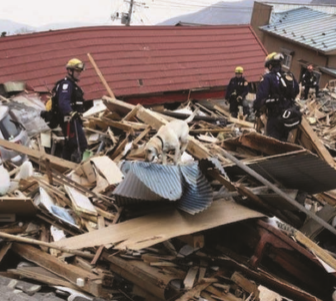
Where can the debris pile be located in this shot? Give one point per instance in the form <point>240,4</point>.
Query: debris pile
<point>240,213</point>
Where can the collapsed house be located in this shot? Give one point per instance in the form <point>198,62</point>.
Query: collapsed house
<point>242,217</point>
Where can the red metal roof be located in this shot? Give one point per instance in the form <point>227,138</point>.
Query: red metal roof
<point>135,60</point>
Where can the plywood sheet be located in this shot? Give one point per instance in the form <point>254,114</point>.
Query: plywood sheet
<point>149,230</point>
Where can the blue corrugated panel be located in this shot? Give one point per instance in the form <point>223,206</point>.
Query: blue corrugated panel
<point>197,192</point>
<point>163,180</point>
<point>132,190</point>
<point>155,182</point>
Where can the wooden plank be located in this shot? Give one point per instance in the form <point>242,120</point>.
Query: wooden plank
<point>97,255</point>
<point>141,274</point>
<point>108,169</point>
<point>66,271</point>
<point>4,249</point>
<point>38,155</point>
<point>107,87</point>
<point>193,292</point>
<point>132,113</point>
<point>245,284</point>
<point>17,205</point>
<point>101,222</point>
<point>42,275</point>
<point>190,278</point>
<point>142,135</point>
<point>149,230</point>
<point>318,146</point>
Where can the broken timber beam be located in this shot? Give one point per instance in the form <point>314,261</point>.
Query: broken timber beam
<point>92,282</point>
<point>38,155</point>
<point>320,149</point>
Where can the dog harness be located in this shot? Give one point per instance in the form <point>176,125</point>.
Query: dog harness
<point>162,143</point>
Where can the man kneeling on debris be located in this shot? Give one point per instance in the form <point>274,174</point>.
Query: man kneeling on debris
<point>67,107</point>
<point>276,92</point>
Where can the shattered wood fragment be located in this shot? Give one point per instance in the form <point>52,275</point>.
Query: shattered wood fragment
<point>191,277</point>
<point>4,249</point>
<point>193,292</point>
<point>42,275</point>
<point>92,284</point>
<point>317,145</point>
<point>147,277</point>
<point>142,135</point>
<point>97,255</point>
<point>58,162</point>
<point>246,284</point>
<point>119,149</point>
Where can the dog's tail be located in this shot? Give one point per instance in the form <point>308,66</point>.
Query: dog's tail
<point>192,116</point>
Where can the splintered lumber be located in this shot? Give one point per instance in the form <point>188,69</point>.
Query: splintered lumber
<point>42,275</point>
<point>190,278</point>
<point>193,292</point>
<point>279,192</point>
<point>108,89</point>
<point>246,284</point>
<point>45,244</point>
<point>146,231</point>
<point>260,276</point>
<point>92,283</point>
<point>17,205</point>
<point>316,144</point>
<point>38,155</point>
<point>141,274</point>
<point>309,244</point>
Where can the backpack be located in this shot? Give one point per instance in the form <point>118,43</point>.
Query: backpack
<point>291,117</point>
<point>287,85</point>
<point>51,115</point>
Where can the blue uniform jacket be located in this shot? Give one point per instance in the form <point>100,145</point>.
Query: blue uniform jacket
<point>238,84</point>
<point>270,87</point>
<point>70,96</point>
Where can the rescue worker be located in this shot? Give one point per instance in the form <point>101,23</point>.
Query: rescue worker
<point>277,91</point>
<point>236,93</point>
<point>309,80</point>
<point>71,105</point>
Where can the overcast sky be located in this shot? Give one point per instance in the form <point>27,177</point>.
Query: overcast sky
<point>38,12</point>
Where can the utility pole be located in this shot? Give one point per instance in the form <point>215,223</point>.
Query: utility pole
<point>128,23</point>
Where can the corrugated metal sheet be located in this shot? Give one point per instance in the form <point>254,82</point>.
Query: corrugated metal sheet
<point>212,162</point>
<point>155,182</point>
<point>305,26</point>
<point>304,171</point>
<point>131,190</point>
<point>197,193</point>
<point>135,60</point>
<point>149,182</point>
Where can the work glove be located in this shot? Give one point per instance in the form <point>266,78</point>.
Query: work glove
<point>74,115</point>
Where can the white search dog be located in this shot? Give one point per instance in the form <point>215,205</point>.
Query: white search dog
<point>172,136</point>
